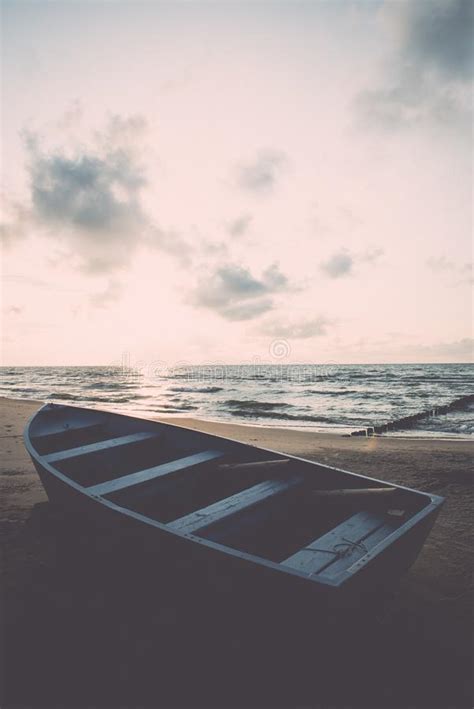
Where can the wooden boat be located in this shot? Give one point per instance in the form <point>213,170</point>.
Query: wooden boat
<point>277,517</point>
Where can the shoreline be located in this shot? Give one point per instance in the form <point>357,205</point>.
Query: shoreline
<point>425,624</point>
<point>196,422</point>
<point>308,430</point>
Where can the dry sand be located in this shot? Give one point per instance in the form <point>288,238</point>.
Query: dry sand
<point>62,648</point>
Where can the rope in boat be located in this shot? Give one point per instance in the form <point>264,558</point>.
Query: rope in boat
<point>348,544</point>
<point>348,547</point>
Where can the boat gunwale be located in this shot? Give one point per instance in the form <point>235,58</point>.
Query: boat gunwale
<point>435,502</point>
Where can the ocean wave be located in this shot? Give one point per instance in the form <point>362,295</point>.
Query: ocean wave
<point>325,396</point>
<point>257,405</point>
<point>334,392</point>
<point>109,385</point>
<point>179,407</point>
<point>165,409</point>
<point>67,396</point>
<point>196,390</point>
<point>25,390</point>
<point>280,416</point>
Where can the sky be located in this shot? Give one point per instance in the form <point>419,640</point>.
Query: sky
<point>206,182</point>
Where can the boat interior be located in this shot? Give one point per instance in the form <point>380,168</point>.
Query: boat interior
<point>305,516</point>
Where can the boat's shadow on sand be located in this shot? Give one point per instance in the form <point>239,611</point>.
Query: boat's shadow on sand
<point>90,627</point>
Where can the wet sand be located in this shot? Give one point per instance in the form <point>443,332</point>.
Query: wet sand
<point>75,632</point>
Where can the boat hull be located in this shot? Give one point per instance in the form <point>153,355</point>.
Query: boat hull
<point>121,534</point>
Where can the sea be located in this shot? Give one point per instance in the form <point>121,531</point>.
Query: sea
<point>319,397</point>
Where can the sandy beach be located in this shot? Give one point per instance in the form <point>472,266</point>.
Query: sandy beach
<point>423,631</point>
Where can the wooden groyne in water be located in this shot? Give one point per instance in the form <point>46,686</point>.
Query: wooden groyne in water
<point>409,421</point>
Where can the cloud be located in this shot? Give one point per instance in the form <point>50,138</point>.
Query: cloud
<point>463,349</point>
<point>371,255</point>
<point>260,176</point>
<point>461,273</point>
<point>238,227</point>
<point>109,295</point>
<point>342,263</point>
<point>438,35</point>
<point>247,311</point>
<point>274,280</point>
<point>90,193</point>
<point>235,294</point>
<point>15,310</point>
<point>15,222</point>
<point>338,265</point>
<point>90,199</point>
<point>458,350</point>
<point>26,281</point>
<point>124,131</point>
<point>299,330</point>
<point>429,69</point>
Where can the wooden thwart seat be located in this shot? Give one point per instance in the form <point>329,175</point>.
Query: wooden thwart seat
<point>79,426</point>
<point>344,545</point>
<point>357,496</point>
<point>231,505</point>
<point>100,446</point>
<point>142,476</point>
<point>254,464</point>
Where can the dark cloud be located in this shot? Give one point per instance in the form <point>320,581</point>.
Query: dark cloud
<point>338,265</point>
<point>261,175</point>
<point>438,35</point>
<point>89,193</point>
<point>430,70</point>
<point>240,226</point>
<point>90,199</point>
<point>301,330</point>
<point>235,294</point>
